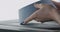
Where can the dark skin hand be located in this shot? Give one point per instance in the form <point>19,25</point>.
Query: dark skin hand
<point>44,12</point>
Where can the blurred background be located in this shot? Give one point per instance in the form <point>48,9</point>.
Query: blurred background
<point>9,8</point>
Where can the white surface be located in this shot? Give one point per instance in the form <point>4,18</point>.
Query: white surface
<point>9,8</point>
